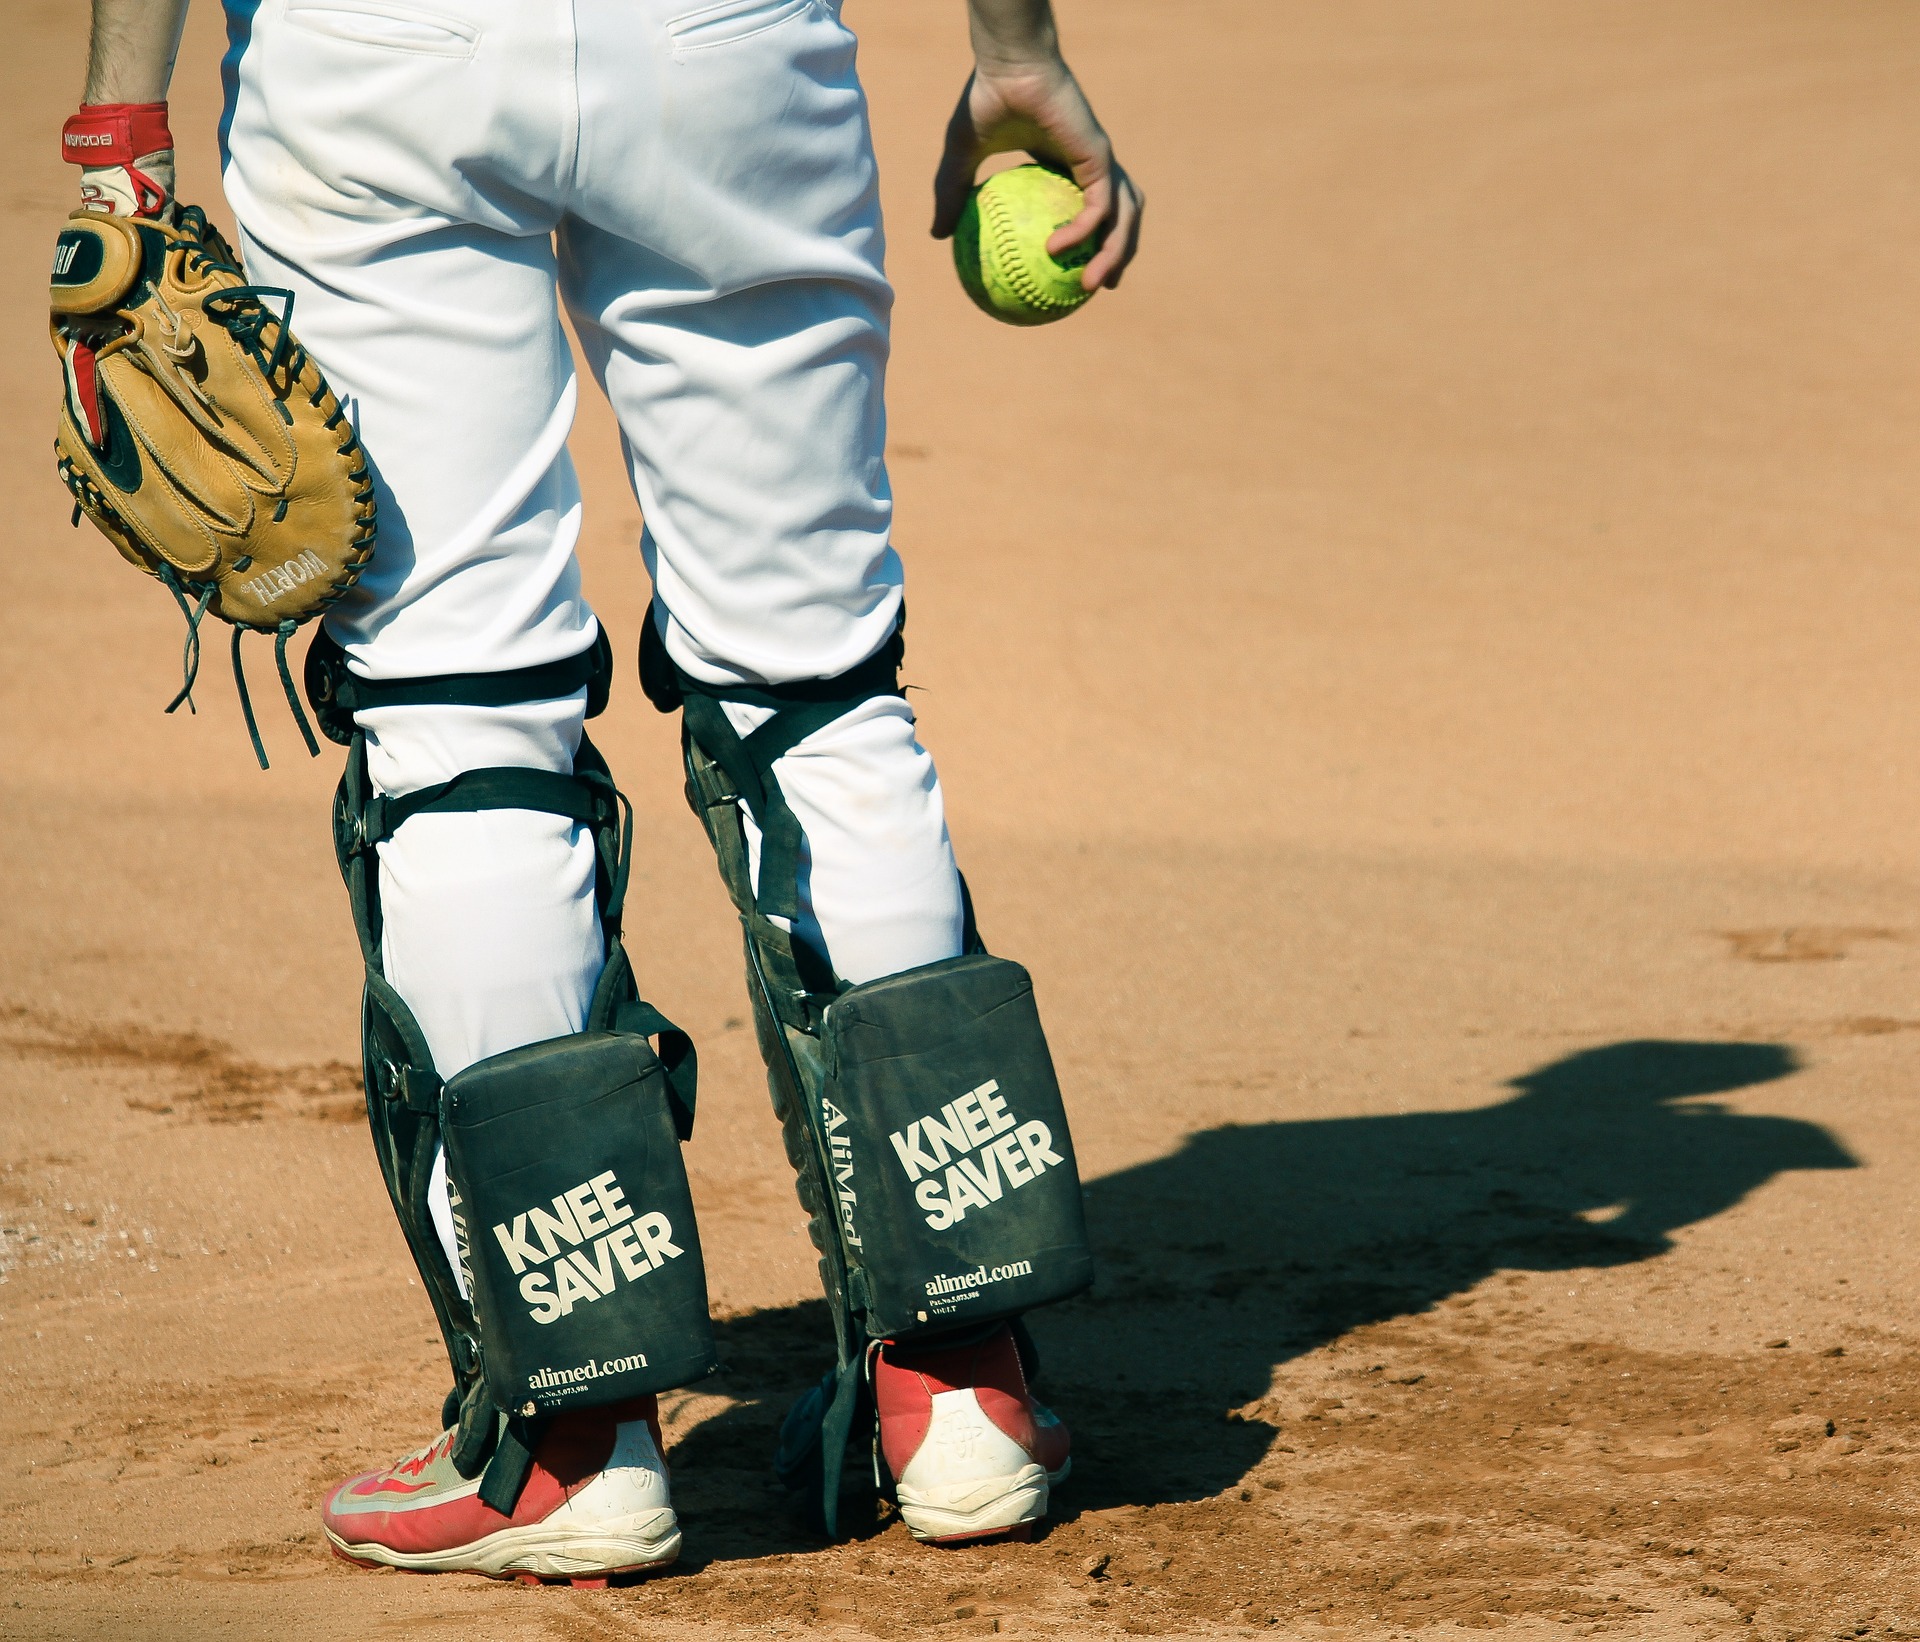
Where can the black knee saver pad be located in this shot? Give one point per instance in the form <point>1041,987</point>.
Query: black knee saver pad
<point>575,1223</point>
<point>948,1149</point>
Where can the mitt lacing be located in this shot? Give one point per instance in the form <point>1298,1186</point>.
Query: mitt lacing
<point>195,611</point>
<point>281,634</point>
<point>242,312</point>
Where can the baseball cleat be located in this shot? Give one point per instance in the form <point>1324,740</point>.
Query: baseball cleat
<point>595,1505</point>
<point>972,1454</point>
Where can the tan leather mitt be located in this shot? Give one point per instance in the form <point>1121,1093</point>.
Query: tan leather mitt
<point>199,436</point>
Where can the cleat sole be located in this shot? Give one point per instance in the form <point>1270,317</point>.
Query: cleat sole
<point>582,1555</point>
<point>990,1509</point>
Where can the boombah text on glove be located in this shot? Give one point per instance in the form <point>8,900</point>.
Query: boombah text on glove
<point>993,1152</point>
<point>593,1240</point>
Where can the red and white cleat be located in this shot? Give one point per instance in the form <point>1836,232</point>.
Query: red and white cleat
<point>595,1505</point>
<point>972,1454</point>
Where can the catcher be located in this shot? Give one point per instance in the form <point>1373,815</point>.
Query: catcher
<point>418,188</point>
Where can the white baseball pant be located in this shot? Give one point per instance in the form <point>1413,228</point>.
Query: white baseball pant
<point>696,183</point>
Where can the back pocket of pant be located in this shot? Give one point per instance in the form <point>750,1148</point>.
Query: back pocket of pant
<point>387,28</point>
<point>731,20</point>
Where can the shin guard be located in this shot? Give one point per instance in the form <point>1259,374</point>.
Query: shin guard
<point>581,1265</point>
<point>920,1111</point>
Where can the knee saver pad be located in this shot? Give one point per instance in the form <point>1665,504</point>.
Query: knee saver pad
<point>575,1223</point>
<point>943,1134</point>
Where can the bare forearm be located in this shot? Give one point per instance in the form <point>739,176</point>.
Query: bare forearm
<point>130,59</point>
<point>1013,34</point>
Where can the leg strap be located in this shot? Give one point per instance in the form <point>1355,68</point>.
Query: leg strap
<point>733,770</point>
<point>336,692</point>
<point>364,819</point>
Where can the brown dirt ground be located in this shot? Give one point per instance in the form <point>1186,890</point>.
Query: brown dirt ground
<point>1425,678</point>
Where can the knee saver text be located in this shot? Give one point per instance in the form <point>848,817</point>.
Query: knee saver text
<point>588,1242</point>
<point>985,1150</point>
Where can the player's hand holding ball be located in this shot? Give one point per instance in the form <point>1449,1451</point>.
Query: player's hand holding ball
<point>1034,243</point>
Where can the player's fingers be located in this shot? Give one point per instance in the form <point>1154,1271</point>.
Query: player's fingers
<point>1094,215</point>
<point>959,159</point>
<point>1123,238</point>
<point>951,184</point>
<point>1128,235</point>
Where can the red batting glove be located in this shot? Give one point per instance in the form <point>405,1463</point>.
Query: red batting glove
<point>126,154</point>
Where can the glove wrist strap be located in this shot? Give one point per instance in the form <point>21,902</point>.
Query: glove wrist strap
<point>115,133</point>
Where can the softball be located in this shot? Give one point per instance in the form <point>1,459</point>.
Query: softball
<point>1000,246</point>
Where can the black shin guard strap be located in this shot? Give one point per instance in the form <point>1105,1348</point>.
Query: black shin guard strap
<point>798,709</point>
<point>336,692</point>
<point>512,1463</point>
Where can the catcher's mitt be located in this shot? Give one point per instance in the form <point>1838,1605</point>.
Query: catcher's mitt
<point>199,436</point>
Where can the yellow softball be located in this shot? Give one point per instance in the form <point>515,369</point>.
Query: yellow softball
<point>1000,246</point>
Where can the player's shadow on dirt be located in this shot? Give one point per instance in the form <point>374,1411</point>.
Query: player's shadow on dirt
<point>1254,1243</point>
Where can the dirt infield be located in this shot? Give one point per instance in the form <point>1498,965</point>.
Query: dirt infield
<point>1424,676</point>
